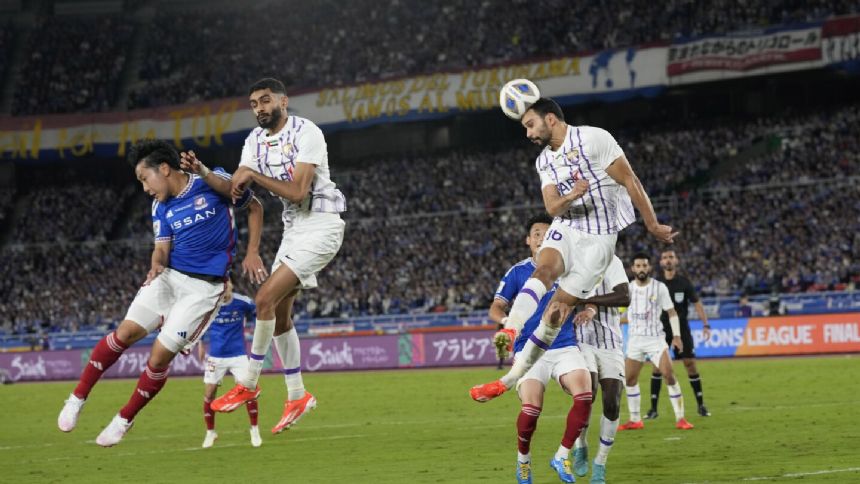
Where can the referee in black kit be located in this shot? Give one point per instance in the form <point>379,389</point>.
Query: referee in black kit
<point>682,292</point>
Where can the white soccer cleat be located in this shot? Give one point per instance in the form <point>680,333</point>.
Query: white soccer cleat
<point>209,440</point>
<point>256,440</point>
<point>68,418</point>
<point>114,432</point>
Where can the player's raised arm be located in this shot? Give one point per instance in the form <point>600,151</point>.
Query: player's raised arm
<point>622,173</point>
<point>294,190</point>
<point>252,264</point>
<point>188,162</point>
<point>498,311</point>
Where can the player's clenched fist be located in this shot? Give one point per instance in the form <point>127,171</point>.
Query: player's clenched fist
<point>580,187</point>
<point>503,340</point>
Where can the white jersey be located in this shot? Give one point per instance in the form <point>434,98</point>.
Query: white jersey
<point>275,156</point>
<point>647,303</point>
<point>604,330</point>
<point>586,154</point>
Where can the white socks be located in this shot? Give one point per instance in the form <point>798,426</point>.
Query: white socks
<point>677,400</point>
<point>633,398</point>
<point>289,350</point>
<point>607,438</point>
<point>525,304</point>
<point>263,332</point>
<point>524,458</point>
<point>563,452</point>
<point>535,347</point>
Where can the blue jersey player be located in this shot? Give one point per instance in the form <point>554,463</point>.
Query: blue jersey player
<point>195,244</point>
<point>227,353</point>
<point>562,362</point>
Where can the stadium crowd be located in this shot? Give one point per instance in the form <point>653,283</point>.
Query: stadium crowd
<point>72,65</point>
<point>469,233</point>
<point>75,64</point>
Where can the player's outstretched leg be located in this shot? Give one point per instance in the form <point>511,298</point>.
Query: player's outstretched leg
<point>106,352</point>
<point>537,344</point>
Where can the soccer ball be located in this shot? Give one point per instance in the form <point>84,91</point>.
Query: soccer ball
<point>517,96</point>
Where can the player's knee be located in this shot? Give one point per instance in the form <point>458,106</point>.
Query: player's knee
<point>130,332</point>
<point>546,275</point>
<point>611,408</point>
<point>265,302</point>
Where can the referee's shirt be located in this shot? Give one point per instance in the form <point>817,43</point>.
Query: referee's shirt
<point>682,292</point>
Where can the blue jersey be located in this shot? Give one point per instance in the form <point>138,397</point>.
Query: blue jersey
<point>510,286</point>
<point>226,333</point>
<point>200,224</point>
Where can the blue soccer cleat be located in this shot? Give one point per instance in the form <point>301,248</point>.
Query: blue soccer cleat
<point>580,461</point>
<point>598,473</point>
<point>562,466</point>
<point>524,473</point>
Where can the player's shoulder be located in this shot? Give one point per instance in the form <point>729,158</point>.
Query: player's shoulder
<point>542,158</point>
<point>303,127</point>
<point>525,265</point>
<point>587,131</point>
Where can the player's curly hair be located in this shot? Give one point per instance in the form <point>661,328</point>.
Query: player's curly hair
<point>269,83</point>
<point>153,152</point>
<point>538,219</point>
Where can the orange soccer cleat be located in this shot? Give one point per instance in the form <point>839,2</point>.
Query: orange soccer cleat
<point>631,425</point>
<point>294,410</point>
<point>487,391</point>
<point>682,424</point>
<point>233,399</point>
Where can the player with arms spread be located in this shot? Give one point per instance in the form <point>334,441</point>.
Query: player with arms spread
<point>227,353</point>
<point>590,189</point>
<point>286,155</point>
<point>195,242</point>
<point>648,299</point>
<point>563,363</point>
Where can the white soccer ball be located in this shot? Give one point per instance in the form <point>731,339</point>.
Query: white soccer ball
<point>517,96</point>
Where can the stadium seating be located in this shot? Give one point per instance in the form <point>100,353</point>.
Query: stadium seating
<point>75,64</point>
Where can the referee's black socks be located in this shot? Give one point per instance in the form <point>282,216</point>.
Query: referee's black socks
<point>696,383</point>
<point>656,382</point>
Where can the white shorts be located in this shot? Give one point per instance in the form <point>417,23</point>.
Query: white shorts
<point>607,363</point>
<point>553,364</point>
<point>586,256</point>
<point>309,245</point>
<point>182,306</point>
<point>645,348</point>
<point>216,368</point>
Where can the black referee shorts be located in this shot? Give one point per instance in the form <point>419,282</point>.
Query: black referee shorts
<point>686,338</point>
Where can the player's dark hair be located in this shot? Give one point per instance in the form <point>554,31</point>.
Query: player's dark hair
<point>153,152</point>
<point>668,250</point>
<point>269,83</point>
<point>538,219</point>
<point>544,106</point>
<point>641,255</point>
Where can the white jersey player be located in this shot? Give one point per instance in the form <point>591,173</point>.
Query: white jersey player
<point>590,188</point>
<point>598,332</point>
<point>286,155</point>
<point>648,299</point>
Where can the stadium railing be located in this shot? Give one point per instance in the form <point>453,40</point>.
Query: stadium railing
<point>715,307</point>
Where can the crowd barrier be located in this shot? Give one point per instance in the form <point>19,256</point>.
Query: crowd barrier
<point>783,335</point>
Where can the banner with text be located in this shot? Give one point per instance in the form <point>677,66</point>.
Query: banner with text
<point>783,335</point>
<point>609,75</point>
<point>744,54</point>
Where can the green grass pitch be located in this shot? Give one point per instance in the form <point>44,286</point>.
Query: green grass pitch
<point>777,420</point>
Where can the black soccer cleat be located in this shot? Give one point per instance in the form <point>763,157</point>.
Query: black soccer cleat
<point>652,414</point>
<point>703,411</point>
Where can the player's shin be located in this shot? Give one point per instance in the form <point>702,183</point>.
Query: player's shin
<point>208,414</point>
<point>577,419</point>
<point>106,352</point>
<point>633,400</point>
<point>608,428</point>
<point>537,344</point>
<point>151,382</point>
<point>526,425</point>
<point>525,304</point>
<point>677,400</point>
<point>289,350</point>
<point>263,333</point>
<point>253,411</point>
